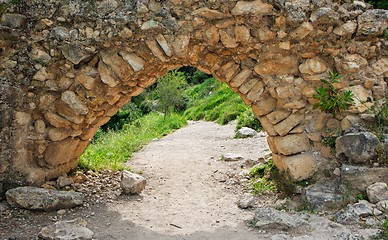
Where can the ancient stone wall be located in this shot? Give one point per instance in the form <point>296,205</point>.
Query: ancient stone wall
<point>67,66</point>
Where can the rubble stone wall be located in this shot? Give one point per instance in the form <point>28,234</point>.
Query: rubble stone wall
<point>67,66</point>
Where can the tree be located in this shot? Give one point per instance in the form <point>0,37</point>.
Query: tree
<point>170,92</point>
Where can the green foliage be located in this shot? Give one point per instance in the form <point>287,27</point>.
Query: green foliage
<point>260,175</point>
<point>213,101</point>
<point>170,92</point>
<point>381,4</point>
<point>129,113</point>
<point>385,228</point>
<point>248,119</point>
<point>329,141</point>
<point>113,148</point>
<point>360,197</point>
<point>330,100</point>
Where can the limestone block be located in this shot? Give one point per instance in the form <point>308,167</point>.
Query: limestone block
<point>153,45</point>
<point>181,45</point>
<point>292,143</point>
<point>56,120</point>
<point>264,34</point>
<point>256,91</point>
<point>149,25</point>
<point>372,22</point>
<point>70,114</point>
<point>380,67</point>
<point>267,126</point>
<point>242,34</point>
<point>264,107</point>
<point>296,104</point>
<point>22,118</point>
<point>74,102</point>
<point>44,74</point>
<point>228,71</point>
<point>209,13</point>
<point>212,36</point>
<point>362,99</point>
<point>195,54</point>
<point>40,126</point>
<point>302,31</point>
<point>277,116</point>
<point>285,126</point>
<point>58,153</point>
<point>247,85</point>
<point>351,63</point>
<point>71,230</point>
<point>286,91</point>
<point>285,45</point>
<point>300,166</point>
<point>349,121</point>
<point>106,75</point>
<point>227,40</point>
<point>58,134</point>
<point>312,66</point>
<point>116,63</point>
<point>164,44</point>
<point>240,78</point>
<point>325,15</point>
<point>87,81</point>
<point>278,65</point>
<point>136,62</point>
<point>132,183</point>
<point>346,29</point>
<point>73,53</point>
<point>251,8</point>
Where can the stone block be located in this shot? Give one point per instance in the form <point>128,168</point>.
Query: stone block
<point>278,65</point>
<point>285,126</point>
<point>227,39</point>
<point>240,78</point>
<point>58,153</point>
<point>277,116</point>
<point>264,107</point>
<point>132,183</point>
<point>357,147</point>
<point>292,144</point>
<point>251,8</point>
<point>300,166</point>
<point>74,102</point>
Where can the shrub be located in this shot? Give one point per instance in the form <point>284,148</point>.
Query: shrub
<point>248,119</point>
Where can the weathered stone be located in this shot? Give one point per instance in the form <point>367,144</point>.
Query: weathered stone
<point>251,8</point>
<point>227,40</point>
<point>360,177</point>
<point>256,92</point>
<point>324,194</point>
<point>292,144</point>
<point>117,65</point>
<point>43,74</point>
<point>312,66</point>
<point>34,198</point>
<point>153,45</point>
<point>264,107</point>
<point>285,126</point>
<point>302,31</point>
<point>22,118</point>
<point>132,183</point>
<point>74,102</point>
<point>40,126</point>
<point>58,153</point>
<point>164,45</point>
<point>278,65</point>
<point>357,147</point>
<point>245,132</point>
<point>149,25</point>
<point>106,75</point>
<point>382,206</point>
<point>39,56</point>
<point>240,78</point>
<point>56,120</point>
<point>269,219</point>
<point>277,116</point>
<point>292,165</point>
<point>372,22</point>
<point>381,66</point>
<point>242,34</point>
<point>325,15</point>
<point>64,181</point>
<point>13,20</point>
<point>70,114</point>
<point>60,33</point>
<point>73,53</point>
<point>212,36</point>
<point>377,192</point>
<point>346,29</point>
<point>67,230</point>
<point>210,13</point>
<point>231,157</point>
<point>246,201</point>
<point>247,85</point>
<point>87,81</point>
<point>136,62</point>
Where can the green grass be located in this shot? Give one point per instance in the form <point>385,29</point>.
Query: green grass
<point>112,149</point>
<point>261,181</point>
<point>214,101</point>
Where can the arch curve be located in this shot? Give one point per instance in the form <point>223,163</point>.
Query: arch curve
<point>78,63</point>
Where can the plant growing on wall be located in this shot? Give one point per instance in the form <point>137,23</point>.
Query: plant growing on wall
<point>330,99</point>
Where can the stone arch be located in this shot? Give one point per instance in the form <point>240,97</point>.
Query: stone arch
<point>78,64</point>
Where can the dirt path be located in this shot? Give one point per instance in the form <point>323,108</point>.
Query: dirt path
<point>188,195</point>
<point>183,188</point>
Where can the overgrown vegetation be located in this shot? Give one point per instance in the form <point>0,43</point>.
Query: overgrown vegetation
<point>382,4</point>
<point>385,228</point>
<point>162,108</point>
<point>261,177</point>
<point>330,99</point>
<point>113,148</point>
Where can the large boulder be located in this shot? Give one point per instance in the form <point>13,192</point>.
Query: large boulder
<point>132,183</point>
<point>357,147</point>
<point>67,230</point>
<point>34,198</point>
<point>377,192</point>
<point>324,194</point>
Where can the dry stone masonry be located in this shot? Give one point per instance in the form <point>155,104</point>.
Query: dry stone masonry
<point>67,66</point>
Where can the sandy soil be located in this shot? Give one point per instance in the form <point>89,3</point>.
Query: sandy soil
<point>189,194</point>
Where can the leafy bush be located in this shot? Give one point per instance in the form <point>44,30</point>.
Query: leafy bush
<point>129,113</point>
<point>330,100</point>
<point>248,119</point>
<point>381,4</point>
